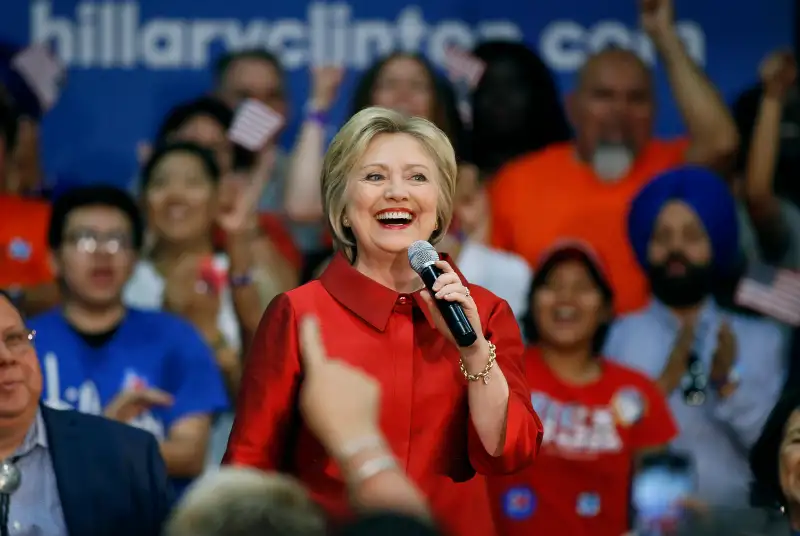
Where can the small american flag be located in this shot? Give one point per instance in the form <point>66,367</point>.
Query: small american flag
<point>463,67</point>
<point>42,71</point>
<point>255,123</point>
<point>771,291</point>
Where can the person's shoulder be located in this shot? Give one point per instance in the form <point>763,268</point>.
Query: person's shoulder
<point>304,292</point>
<point>31,205</point>
<point>47,318</point>
<point>521,167</point>
<point>754,327</point>
<point>631,318</point>
<point>164,323</point>
<point>297,300</point>
<point>486,300</point>
<point>627,375</point>
<point>666,151</point>
<point>99,429</point>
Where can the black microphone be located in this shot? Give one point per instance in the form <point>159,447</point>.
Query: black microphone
<point>422,256</point>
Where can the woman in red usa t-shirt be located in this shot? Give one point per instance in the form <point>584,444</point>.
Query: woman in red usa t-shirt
<point>598,416</point>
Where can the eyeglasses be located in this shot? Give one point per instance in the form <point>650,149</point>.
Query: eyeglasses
<point>19,341</point>
<point>91,242</point>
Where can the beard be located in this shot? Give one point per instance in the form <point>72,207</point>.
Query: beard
<point>685,290</point>
<point>612,161</point>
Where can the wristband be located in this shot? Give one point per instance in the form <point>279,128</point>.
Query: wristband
<point>316,115</point>
<point>373,467</point>
<point>360,445</point>
<point>239,281</point>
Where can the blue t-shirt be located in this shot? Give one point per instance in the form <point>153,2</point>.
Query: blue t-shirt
<point>148,349</point>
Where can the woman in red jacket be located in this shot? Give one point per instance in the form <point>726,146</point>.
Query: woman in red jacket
<point>448,412</point>
<point>598,416</point>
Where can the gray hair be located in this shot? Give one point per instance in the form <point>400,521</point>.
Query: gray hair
<point>241,501</point>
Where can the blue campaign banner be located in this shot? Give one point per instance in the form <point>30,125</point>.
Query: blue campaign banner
<point>130,61</point>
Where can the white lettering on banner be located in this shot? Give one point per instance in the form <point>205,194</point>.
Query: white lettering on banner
<point>86,399</point>
<point>112,35</point>
<point>576,430</point>
<point>565,44</point>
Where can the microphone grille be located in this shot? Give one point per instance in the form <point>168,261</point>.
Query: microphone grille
<point>421,254</point>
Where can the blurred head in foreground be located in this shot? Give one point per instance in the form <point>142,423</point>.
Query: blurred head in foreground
<point>240,501</point>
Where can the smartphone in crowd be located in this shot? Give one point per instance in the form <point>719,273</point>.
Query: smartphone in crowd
<point>662,484</point>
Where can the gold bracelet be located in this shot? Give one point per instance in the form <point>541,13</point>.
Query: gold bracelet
<point>484,374</point>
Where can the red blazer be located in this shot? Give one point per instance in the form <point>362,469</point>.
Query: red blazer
<point>424,412</point>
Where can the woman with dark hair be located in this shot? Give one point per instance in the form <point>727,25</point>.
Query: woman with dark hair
<point>401,81</point>
<point>407,83</point>
<point>516,106</point>
<point>775,461</point>
<point>598,416</point>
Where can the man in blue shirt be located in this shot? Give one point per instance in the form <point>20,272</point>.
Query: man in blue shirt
<point>149,369</point>
<point>720,371</point>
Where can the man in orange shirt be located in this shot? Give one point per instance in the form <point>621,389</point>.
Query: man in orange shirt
<point>25,272</point>
<point>583,189</point>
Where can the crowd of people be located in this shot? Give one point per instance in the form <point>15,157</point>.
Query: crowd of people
<point>632,297</point>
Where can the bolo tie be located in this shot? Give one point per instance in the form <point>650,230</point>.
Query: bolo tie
<point>10,480</point>
<point>694,382</point>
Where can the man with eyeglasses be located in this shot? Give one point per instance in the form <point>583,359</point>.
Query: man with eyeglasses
<point>79,474</point>
<point>150,369</point>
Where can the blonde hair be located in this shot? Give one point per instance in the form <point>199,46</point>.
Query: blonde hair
<point>233,501</point>
<point>349,146</point>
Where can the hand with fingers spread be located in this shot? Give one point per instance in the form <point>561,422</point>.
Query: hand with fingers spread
<point>129,404</point>
<point>339,403</point>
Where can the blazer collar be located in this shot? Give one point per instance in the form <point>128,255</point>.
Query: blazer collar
<point>366,298</point>
<point>71,464</point>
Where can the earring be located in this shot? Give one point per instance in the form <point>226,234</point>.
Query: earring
<point>346,221</point>
<point>436,227</point>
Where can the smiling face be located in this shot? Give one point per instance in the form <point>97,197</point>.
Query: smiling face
<point>180,198</point>
<point>392,195</point>
<point>20,376</point>
<point>569,308</point>
<point>404,84</point>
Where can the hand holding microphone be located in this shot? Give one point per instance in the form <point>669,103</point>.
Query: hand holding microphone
<point>453,310</point>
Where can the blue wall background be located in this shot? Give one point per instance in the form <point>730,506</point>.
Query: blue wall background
<point>130,61</point>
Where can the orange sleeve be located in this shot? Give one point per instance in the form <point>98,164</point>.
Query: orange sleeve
<point>676,151</point>
<point>268,394</point>
<point>524,429</point>
<point>656,427</point>
<point>501,194</point>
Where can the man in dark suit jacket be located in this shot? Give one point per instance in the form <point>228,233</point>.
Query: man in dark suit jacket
<point>81,475</point>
